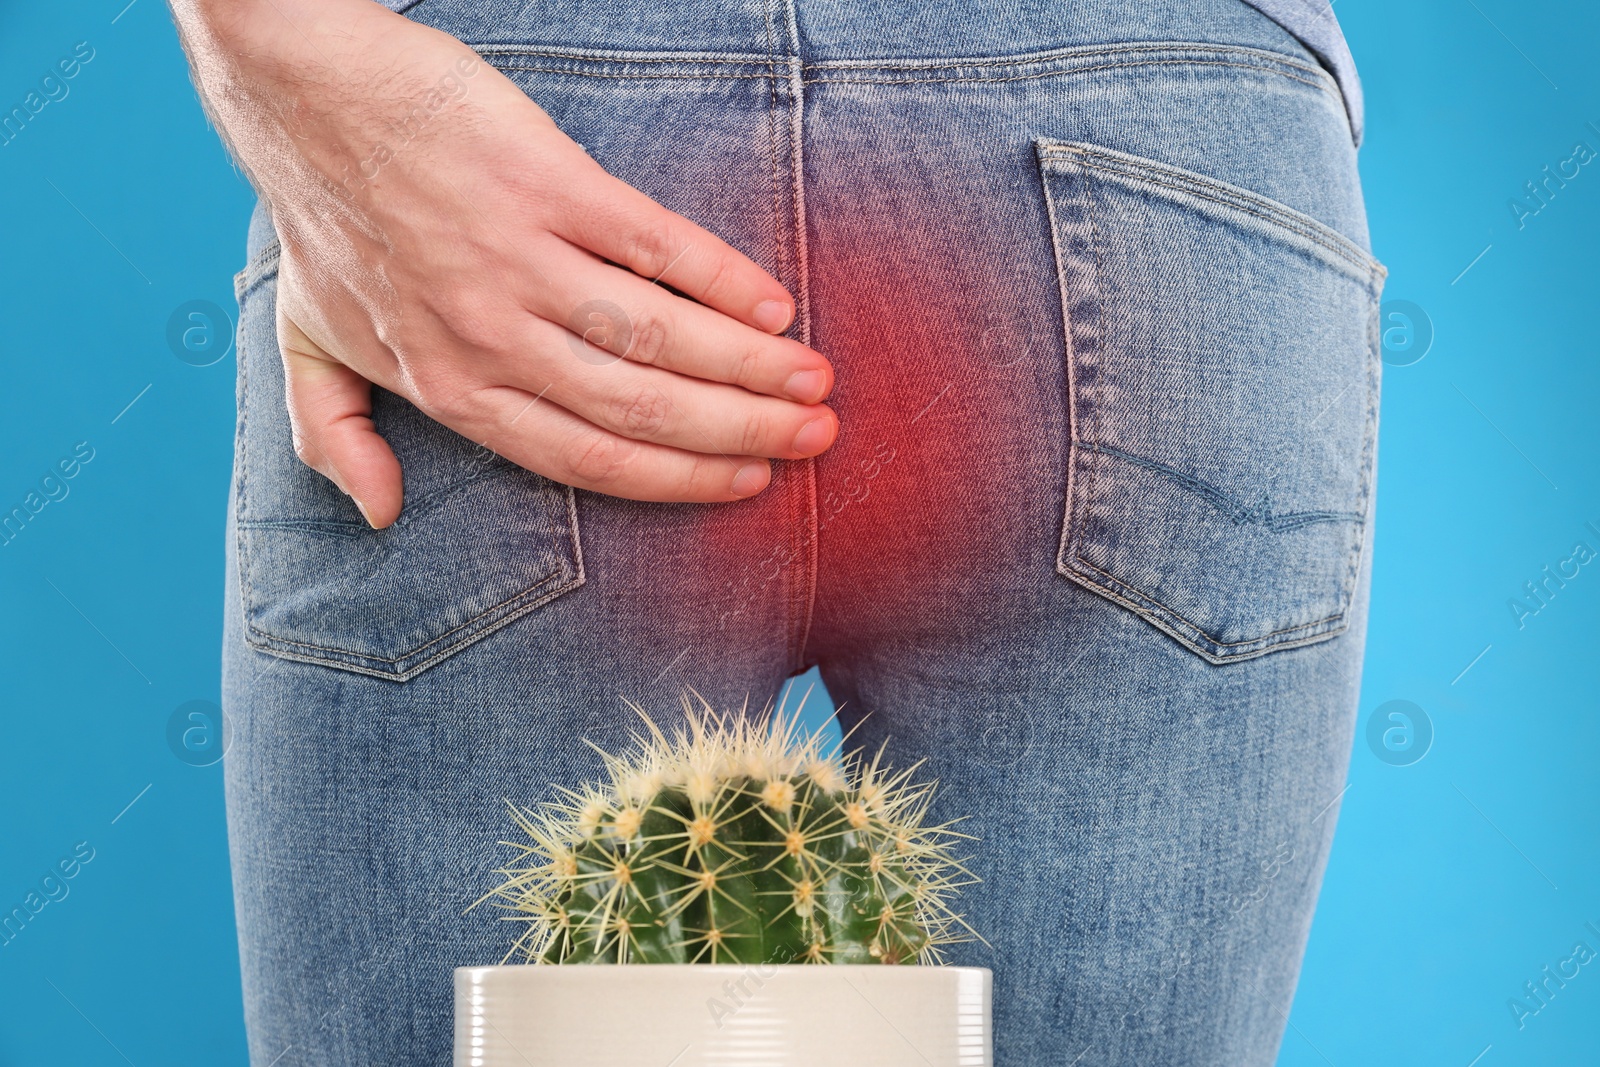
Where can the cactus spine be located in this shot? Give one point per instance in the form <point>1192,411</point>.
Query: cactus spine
<point>735,841</point>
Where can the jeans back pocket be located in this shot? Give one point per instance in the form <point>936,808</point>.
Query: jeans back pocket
<point>1222,370</point>
<point>479,543</point>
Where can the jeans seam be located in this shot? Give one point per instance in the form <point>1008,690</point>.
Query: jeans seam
<point>1238,199</point>
<point>409,653</point>
<point>706,75</point>
<point>1071,558</point>
<point>415,508</point>
<point>1191,62</point>
<point>1197,628</point>
<point>1223,501</point>
<point>930,64</point>
<point>1071,52</point>
<point>805,591</point>
<point>243,285</point>
<point>261,268</point>
<point>1369,464</point>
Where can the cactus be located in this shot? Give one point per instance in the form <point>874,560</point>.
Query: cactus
<point>735,841</point>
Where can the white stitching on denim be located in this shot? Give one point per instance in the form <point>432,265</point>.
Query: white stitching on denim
<point>1051,55</point>
<point>1195,62</point>
<point>407,655</point>
<point>1054,55</point>
<point>258,270</point>
<point>1119,590</point>
<point>653,76</point>
<point>1176,179</point>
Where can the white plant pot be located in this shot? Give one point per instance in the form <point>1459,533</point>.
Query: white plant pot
<point>700,1015</point>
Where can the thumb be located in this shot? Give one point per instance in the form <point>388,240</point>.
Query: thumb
<point>330,411</point>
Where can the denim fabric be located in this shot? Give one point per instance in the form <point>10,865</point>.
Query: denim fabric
<point>1312,21</point>
<point>1094,542</point>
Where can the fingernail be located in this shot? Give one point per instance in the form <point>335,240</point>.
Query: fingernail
<point>806,386</point>
<point>773,316</point>
<point>365,514</point>
<point>814,436</point>
<point>751,479</point>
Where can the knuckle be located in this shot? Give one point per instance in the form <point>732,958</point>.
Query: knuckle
<point>440,397</point>
<point>723,280</point>
<point>755,434</point>
<point>748,367</point>
<point>701,477</point>
<point>595,459</point>
<point>649,248</point>
<point>473,318</point>
<point>649,343</point>
<point>642,414</point>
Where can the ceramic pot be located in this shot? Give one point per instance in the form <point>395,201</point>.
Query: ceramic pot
<point>728,1015</point>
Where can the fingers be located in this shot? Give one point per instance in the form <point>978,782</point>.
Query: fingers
<point>614,220</point>
<point>548,439</point>
<point>330,413</point>
<point>656,405</point>
<point>622,314</point>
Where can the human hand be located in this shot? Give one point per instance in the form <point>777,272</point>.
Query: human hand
<point>489,271</point>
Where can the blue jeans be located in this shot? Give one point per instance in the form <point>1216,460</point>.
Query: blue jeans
<point>1094,541</point>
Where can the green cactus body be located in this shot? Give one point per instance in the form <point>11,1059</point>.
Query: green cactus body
<point>735,842</point>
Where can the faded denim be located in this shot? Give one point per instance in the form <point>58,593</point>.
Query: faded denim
<point>1095,540</point>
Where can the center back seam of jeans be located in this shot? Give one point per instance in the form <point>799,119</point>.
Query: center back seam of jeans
<point>796,159</point>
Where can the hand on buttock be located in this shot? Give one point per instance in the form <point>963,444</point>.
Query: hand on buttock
<point>442,239</point>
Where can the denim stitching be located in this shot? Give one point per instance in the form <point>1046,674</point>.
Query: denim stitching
<point>269,637</point>
<point>261,267</point>
<point>796,92</point>
<point>1119,583</point>
<point>254,274</point>
<point>651,76</point>
<point>1225,502</point>
<point>1266,210</point>
<point>439,656</point>
<point>780,262</point>
<point>242,558</point>
<point>1370,438</point>
<point>407,655</point>
<point>1056,55</point>
<point>1051,55</point>
<point>600,56</point>
<point>1196,62</point>
<point>772,138</point>
<point>912,81</point>
<point>414,511</point>
<point>804,593</point>
<point>1069,383</point>
<point>1103,340</point>
<point>1072,536</point>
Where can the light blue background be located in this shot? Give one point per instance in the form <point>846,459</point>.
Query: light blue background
<point>1453,881</point>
